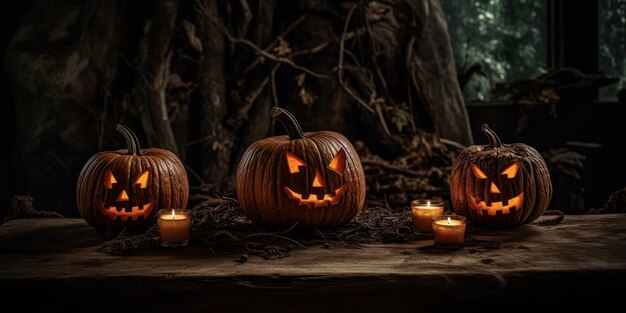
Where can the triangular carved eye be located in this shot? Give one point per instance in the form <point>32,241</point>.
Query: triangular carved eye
<point>294,163</point>
<point>511,171</point>
<point>477,172</point>
<point>109,180</point>
<point>142,180</point>
<point>338,163</point>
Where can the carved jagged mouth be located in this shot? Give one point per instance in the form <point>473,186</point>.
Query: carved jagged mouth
<point>482,208</point>
<point>314,201</point>
<point>114,212</point>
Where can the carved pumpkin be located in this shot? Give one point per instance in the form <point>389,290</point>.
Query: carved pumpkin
<point>500,185</point>
<point>125,188</point>
<point>313,179</point>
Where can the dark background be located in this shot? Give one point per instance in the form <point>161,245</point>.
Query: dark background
<point>12,13</point>
<point>594,127</point>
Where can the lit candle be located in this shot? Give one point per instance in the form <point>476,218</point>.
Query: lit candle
<point>449,229</point>
<point>173,227</point>
<point>423,213</point>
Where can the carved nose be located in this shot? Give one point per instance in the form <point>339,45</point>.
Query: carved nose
<point>319,180</point>
<point>494,188</point>
<point>123,197</point>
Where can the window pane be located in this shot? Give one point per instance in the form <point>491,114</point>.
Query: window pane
<point>612,43</point>
<point>506,37</point>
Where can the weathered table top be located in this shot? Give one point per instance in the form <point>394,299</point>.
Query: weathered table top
<point>575,261</point>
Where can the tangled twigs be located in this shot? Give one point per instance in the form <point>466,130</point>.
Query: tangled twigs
<point>125,243</point>
<point>340,66</point>
<point>422,172</point>
<point>23,207</point>
<point>224,226</point>
<point>552,221</point>
<point>271,46</point>
<point>375,224</point>
<point>222,29</point>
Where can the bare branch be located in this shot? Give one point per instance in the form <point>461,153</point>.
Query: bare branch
<point>274,92</point>
<point>247,14</point>
<point>258,50</point>
<point>381,77</point>
<point>250,98</point>
<point>391,168</point>
<point>325,45</point>
<point>286,32</point>
<point>340,65</point>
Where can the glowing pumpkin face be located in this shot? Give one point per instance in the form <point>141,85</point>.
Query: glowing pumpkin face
<point>316,194</point>
<point>500,185</point>
<point>124,189</point>
<point>314,179</point>
<point>126,201</point>
<point>497,202</point>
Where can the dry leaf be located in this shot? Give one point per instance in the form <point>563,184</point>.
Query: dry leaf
<point>305,95</point>
<point>283,49</point>
<point>190,31</point>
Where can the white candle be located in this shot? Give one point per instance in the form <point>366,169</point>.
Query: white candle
<point>423,213</point>
<point>173,227</point>
<point>449,229</point>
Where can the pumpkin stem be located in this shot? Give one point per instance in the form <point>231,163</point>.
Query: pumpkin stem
<point>131,139</point>
<point>494,140</point>
<point>289,123</point>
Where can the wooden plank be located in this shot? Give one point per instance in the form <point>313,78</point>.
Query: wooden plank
<point>58,259</point>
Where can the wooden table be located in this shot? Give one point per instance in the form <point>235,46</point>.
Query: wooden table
<point>56,264</point>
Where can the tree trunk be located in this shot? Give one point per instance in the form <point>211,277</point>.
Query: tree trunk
<point>152,74</point>
<point>259,124</point>
<point>217,141</point>
<point>434,74</point>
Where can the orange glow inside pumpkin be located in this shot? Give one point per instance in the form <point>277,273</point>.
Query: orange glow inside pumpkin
<point>494,188</point>
<point>142,181</point>
<point>496,206</point>
<point>313,200</point>
<point>337,164</point>
<point>109,180</point>
<point>477,172</point>
<point>482,208</point>
<point>319,180</point>
<point>115,211</point>
<point>294,163</point>
<point>123,197</point>
<point>511,171</point>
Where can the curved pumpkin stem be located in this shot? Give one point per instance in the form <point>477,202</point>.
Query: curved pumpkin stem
<point>289,122</point>
<point>494,140</point>
<point>131,139</point>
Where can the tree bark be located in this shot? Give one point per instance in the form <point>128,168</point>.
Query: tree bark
<point>217,141</point>
<point>152,74</point>
<point>433,74</point>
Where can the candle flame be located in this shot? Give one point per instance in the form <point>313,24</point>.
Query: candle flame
<point>448,220</point>
<point>428,203</point>
<point>174,215</point>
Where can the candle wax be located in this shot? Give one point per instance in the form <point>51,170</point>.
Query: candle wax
<point>174,228</point>
<point>423,216</point>
<point>449,231</point>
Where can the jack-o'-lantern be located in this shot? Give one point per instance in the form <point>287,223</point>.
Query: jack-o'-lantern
<point>124,189</point>
<point>500,185</point>
<point>313,179</point>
